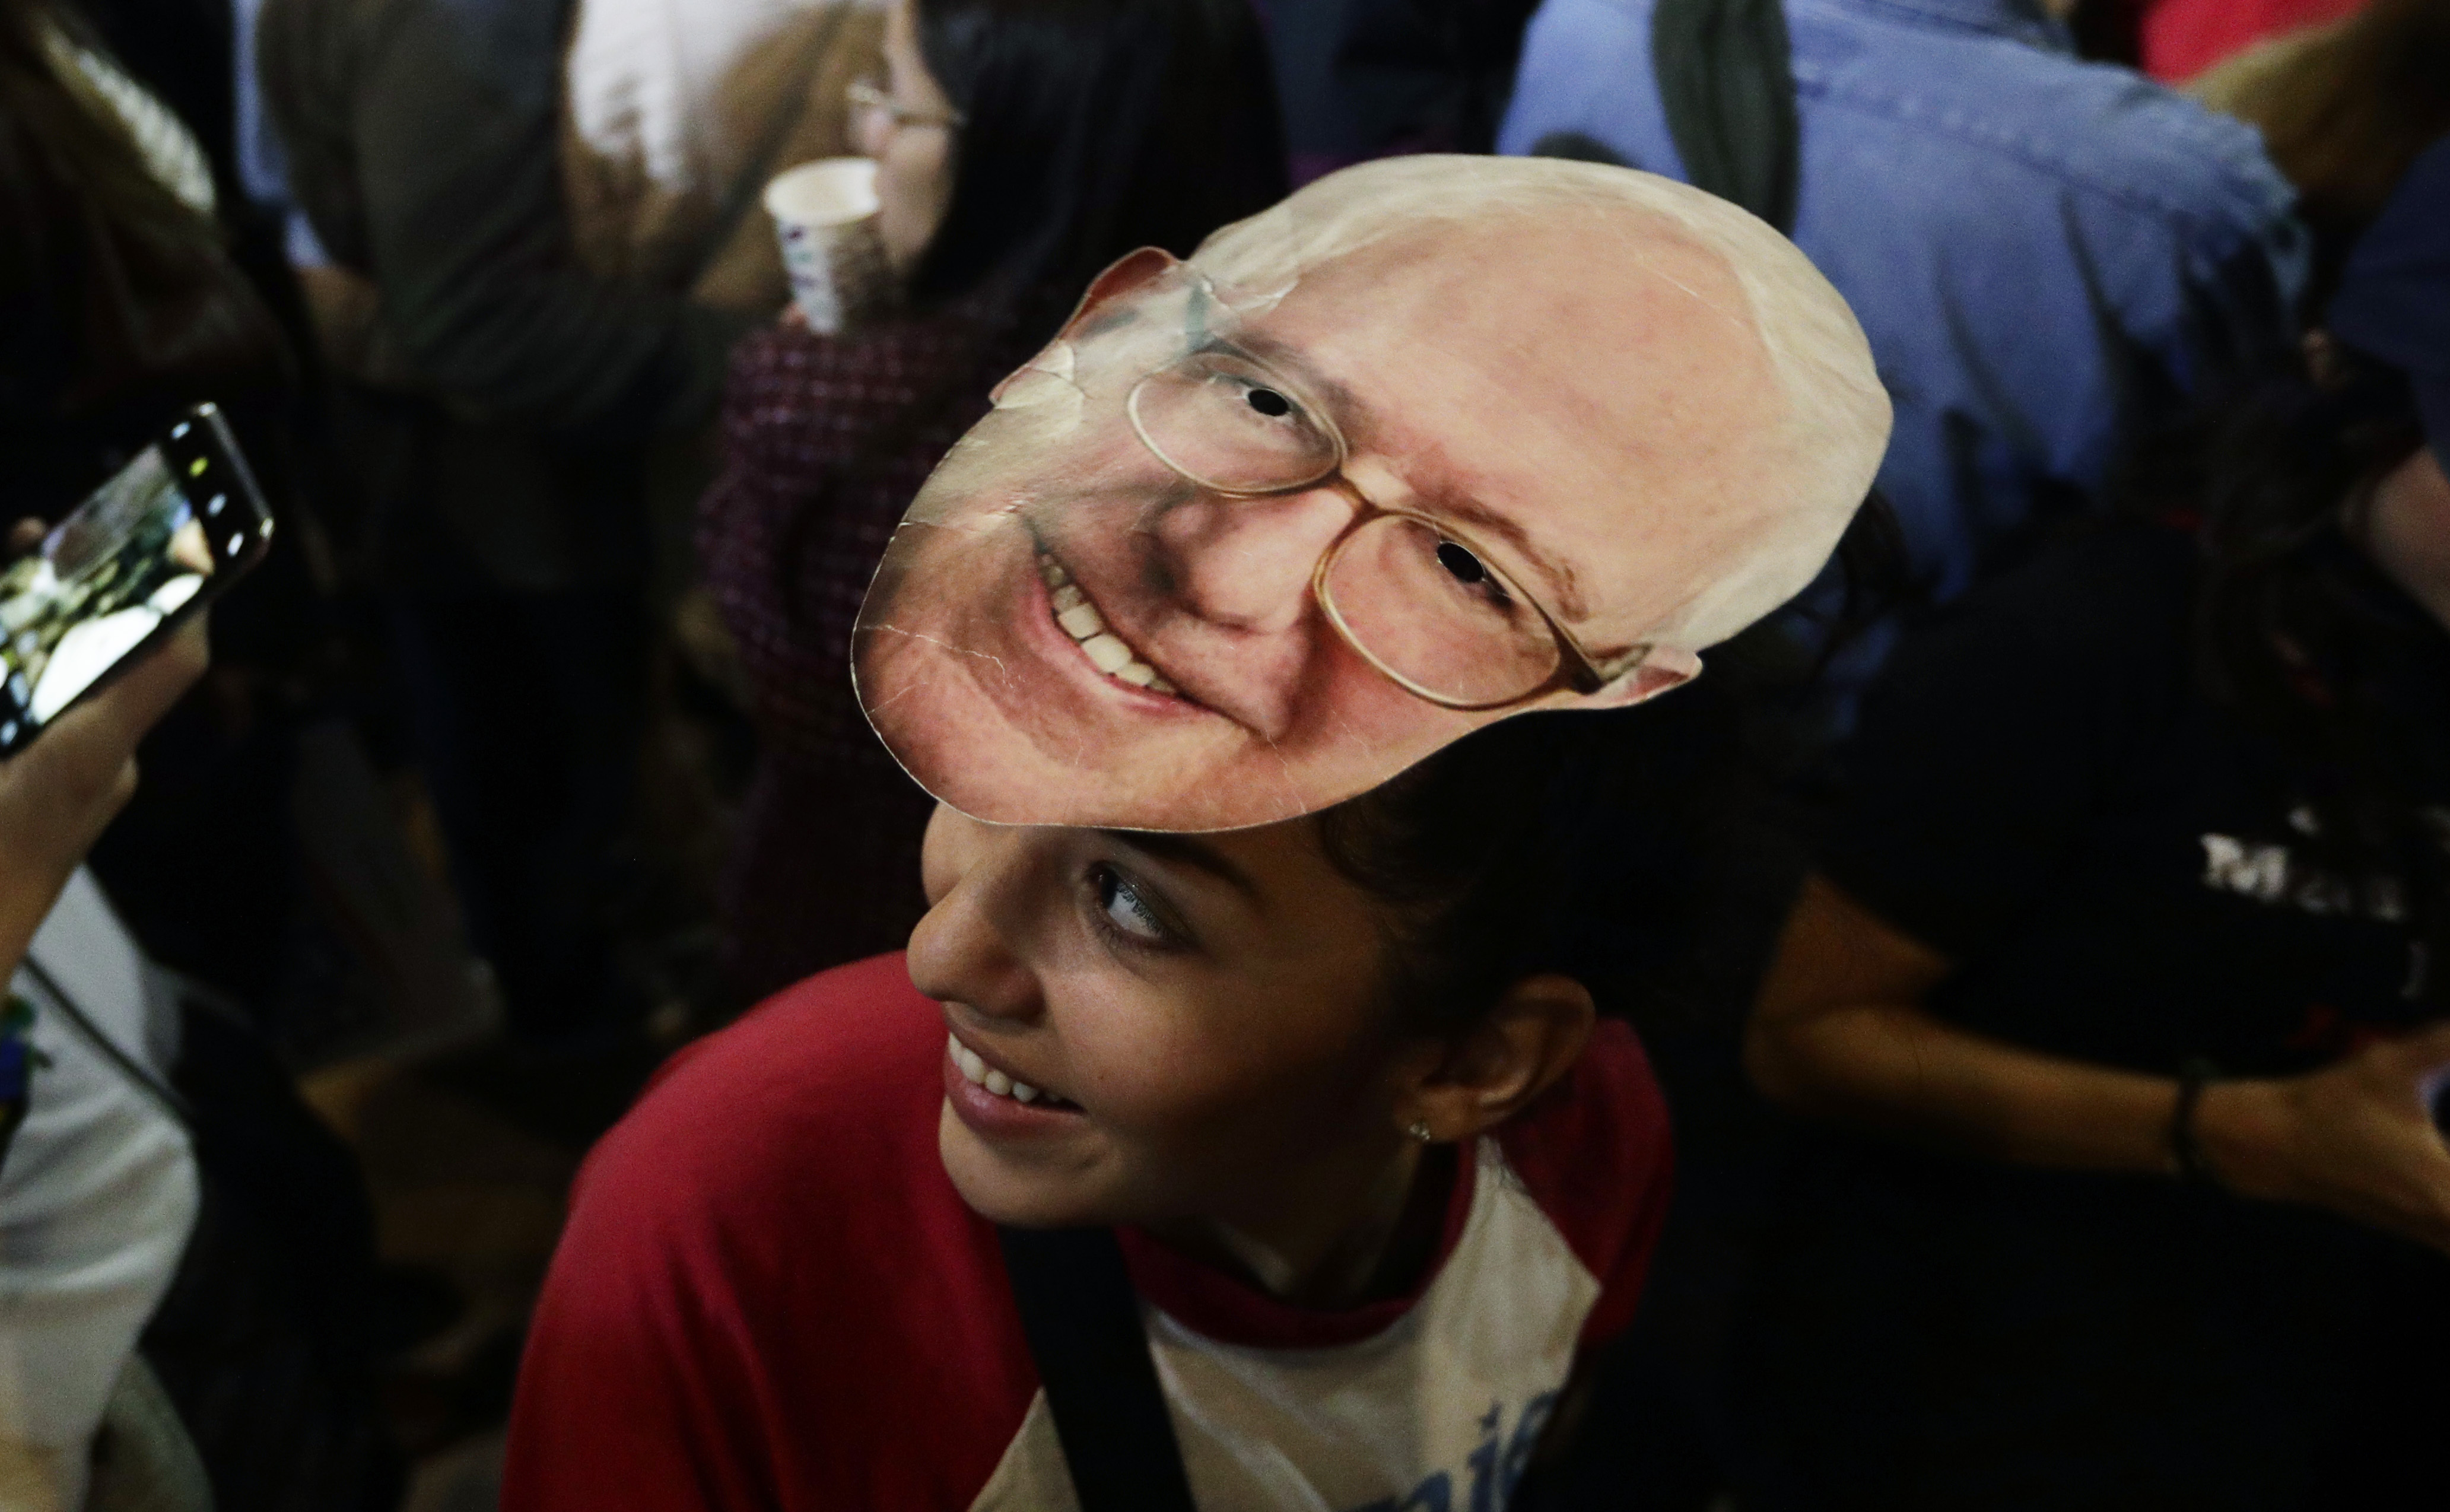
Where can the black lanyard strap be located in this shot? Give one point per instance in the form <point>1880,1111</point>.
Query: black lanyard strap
<point>1083,1321</point>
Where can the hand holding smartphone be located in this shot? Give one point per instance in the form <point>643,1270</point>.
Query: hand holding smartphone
<point>142,556</point>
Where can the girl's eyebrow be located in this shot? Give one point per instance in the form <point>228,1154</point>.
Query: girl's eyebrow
<point>1186,851</point>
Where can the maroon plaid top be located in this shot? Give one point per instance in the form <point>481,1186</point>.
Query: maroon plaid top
<point>826,442</point>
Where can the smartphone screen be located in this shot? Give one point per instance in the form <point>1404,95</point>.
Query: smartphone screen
<point>145,552</point>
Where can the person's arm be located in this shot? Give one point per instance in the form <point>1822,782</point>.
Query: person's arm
<point>60,793</point>
<point>454,118</point>
<point>56,797</point>
<point>1840,1032</point>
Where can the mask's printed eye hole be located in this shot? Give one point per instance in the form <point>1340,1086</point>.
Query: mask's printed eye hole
<point>1271,403</point>
<point>1460,564</point>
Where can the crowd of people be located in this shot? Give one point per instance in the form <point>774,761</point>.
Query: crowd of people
<point>1657,753</point>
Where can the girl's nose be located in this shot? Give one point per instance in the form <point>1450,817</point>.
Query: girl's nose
<point>961,952</point>
<point>1246,563</point>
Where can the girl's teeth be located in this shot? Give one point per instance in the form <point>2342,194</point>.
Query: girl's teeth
<point>979,1073</point>
<point>1081,622</point>
<point>1067,598</point>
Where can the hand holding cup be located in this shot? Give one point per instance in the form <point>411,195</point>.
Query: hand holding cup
<point>825,218</point>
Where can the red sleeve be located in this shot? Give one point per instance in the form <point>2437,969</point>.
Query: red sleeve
<point>1598,1156</point>
<point>768,1290</point>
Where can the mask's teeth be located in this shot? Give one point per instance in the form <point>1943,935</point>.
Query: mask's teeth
<point>1108,651</point>
<point>1079,619</point>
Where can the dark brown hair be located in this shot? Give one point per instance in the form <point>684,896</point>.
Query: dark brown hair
<point>1577,842</point>
<point>1093,128</point>
<point>1634,849</point>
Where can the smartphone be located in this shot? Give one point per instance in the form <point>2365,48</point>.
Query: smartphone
<point>136,560</point>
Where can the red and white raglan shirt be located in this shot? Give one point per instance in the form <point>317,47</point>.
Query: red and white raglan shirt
<point>770,1298</point>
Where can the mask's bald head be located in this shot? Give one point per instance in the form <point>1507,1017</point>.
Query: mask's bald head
<point>1733,379</point>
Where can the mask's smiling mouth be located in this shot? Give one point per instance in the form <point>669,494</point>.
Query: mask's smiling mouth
<point>1078,618</point>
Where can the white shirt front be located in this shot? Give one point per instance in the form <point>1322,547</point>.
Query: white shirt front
<point>1439,1413</point>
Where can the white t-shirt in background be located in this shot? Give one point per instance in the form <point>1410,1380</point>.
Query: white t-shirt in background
<point>98,1194</point>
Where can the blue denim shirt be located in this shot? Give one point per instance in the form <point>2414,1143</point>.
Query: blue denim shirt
<point>2045,253</point>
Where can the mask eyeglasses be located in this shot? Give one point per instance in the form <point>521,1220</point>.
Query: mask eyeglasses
<point>1415,597</point>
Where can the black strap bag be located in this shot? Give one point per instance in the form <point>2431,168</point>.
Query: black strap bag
<point>1083,1321</point>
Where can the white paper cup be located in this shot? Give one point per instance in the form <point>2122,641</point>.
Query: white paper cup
<point>817,210</point>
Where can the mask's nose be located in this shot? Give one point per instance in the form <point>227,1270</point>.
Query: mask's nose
<point>1246,563</point>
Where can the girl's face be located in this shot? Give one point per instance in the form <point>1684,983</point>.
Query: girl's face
<point>1200,1018</point>
<point>912,144</point>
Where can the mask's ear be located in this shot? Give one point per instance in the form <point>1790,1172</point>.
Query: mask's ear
<point>1663,668</point>
<point>1121,277</point>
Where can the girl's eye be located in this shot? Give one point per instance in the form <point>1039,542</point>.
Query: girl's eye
<point>1269,402</point>
<point>1121,902</point>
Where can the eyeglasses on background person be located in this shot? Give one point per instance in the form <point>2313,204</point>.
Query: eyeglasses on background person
<point>872,103</point>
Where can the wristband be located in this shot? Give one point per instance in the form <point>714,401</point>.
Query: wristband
<point>2194,1075</point>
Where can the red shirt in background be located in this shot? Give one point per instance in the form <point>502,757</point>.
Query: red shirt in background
<point>770,1296</point>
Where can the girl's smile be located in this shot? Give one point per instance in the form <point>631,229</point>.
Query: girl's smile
<point>996,1106</point>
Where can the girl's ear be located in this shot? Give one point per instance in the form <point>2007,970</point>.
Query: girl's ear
<point>1500,1065</point>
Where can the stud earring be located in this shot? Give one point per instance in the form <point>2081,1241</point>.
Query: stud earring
<point>1420,1131</point>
